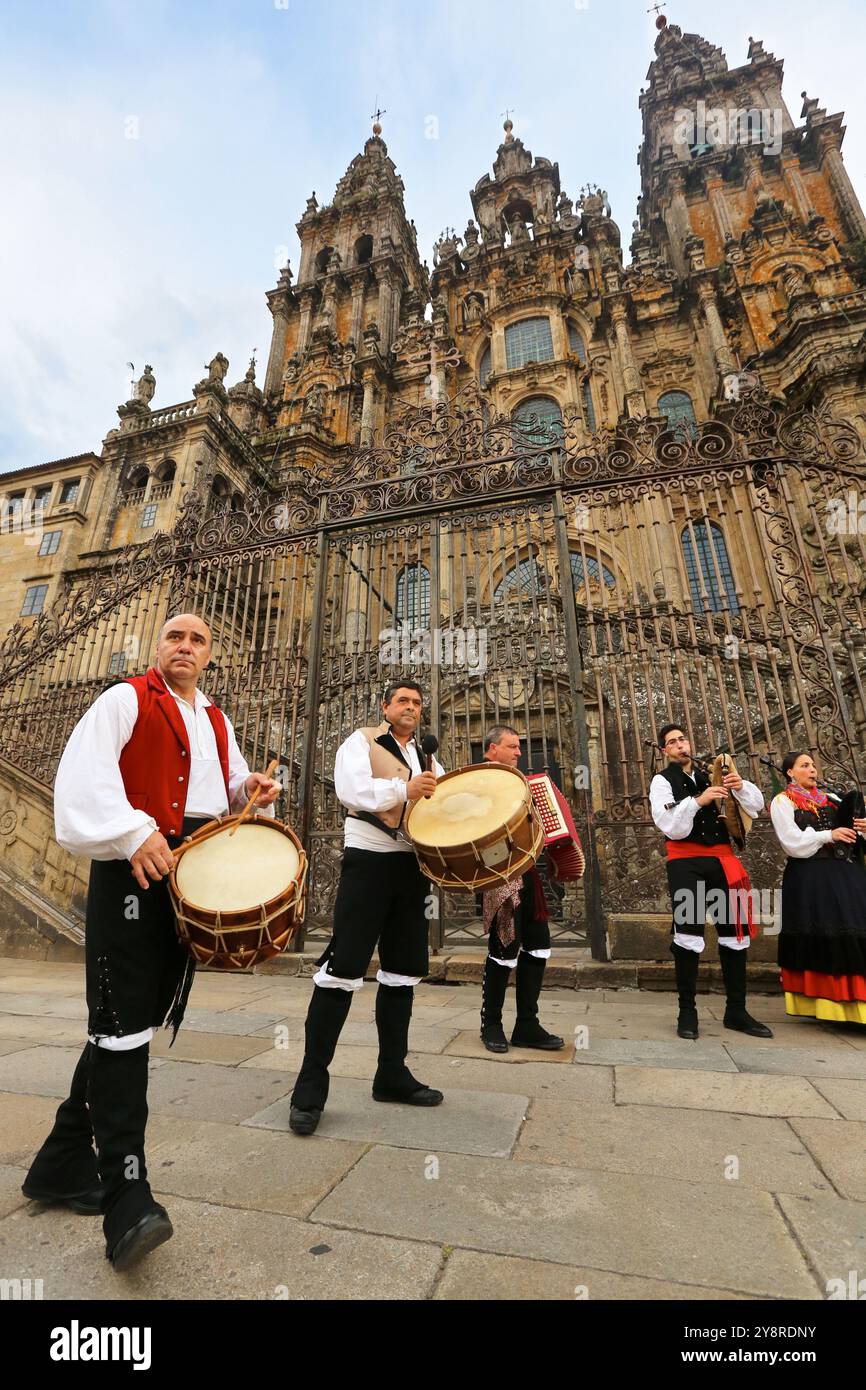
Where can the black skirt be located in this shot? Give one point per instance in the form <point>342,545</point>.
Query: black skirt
<point>823,917</point>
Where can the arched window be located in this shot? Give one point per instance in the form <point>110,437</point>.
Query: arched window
<point>576,343</point>
<point>413,596</point>
<point>363,250</point>
<point>138,479</point>
<point>530,340</point>
<point>715,571</point>
<point>322,259</point>
<point>537,422</point>
<point>525,580</point>
<point>484,366</point>
<point>677,408</point>
<point>220,487</point>
<point>166,471</point>
<point>588,407</point>
<point>593,568</point>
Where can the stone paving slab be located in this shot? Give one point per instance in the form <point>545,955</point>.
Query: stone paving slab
<point>800,1061</point>
<point>854,1034</point>
<point>849,1097</point>
<point>250,1168</point>
<point>42,1071</point>
<point>243,1022</point>
<point>833,1234</point>
<point>217,1253</point>
<point>14,1045</point>
<point>207,1091</point>
<point>62,1031</point>
<point>469,1044</point>
<point>44,1005</point>
<point>223,1048</point>
<point>704,1090</point>
<point>470,1276</point>
<point>697,1234</point>
<point>467,1122</point>
<point>11,1196</point>
<point>840,1148</point>
<point>658,1027</point>
<point>699,1143</point>
<point>616,1052</point>
<point>25,1121</point>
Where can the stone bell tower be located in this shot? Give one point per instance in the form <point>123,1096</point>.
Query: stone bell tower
<point>329,366</point>
<point>758,218</point>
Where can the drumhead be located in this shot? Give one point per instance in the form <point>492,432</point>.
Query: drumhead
<point>230,873</point>
<point>466,806</point>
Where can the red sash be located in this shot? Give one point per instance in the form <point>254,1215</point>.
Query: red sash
<point>733,868</point>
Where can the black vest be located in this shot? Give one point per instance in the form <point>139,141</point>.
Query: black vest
<point>709,827</point>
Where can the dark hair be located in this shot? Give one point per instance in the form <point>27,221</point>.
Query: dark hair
<point>393,686</point>
<point>494,735</point>
<point>789,760</point>
<point>668,729</point>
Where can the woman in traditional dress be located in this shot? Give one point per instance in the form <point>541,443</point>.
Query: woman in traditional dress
<point>822,947</point>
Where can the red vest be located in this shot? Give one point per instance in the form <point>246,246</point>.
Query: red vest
<point>154,764</point>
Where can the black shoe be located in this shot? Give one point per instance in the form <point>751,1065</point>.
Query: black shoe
<point>687,1025</point>
<point>85,1203</point>
<point>424,1095</point>
<point>493,1037</point>
<point>151,1230</point>
<point>742,1022</point>
<point>533,1035</point>
<point>303,1121</point>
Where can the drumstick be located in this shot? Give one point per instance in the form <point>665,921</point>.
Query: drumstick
<point>253,799</point>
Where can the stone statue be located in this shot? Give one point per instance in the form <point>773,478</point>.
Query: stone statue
<point>314,404</point>
<point>470,236</point>
<point>293,367</point>
<point>217,368</point>
<point>517,228</point>
<point>146,386</point>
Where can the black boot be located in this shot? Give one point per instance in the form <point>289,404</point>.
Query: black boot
<point>393,1080</point>
<point>528,1032</point>
<point>64,1172</point>
<point>493,988</point>
<point>329,1008</point>
<point>686,965</point>
<point>134,1224</point>
<point>733,965</point>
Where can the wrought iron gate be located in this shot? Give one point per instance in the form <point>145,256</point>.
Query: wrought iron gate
<point>576,588</point>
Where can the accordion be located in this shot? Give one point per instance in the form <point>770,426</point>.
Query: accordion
<point>561,839</point>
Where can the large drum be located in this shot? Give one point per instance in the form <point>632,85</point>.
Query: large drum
<point>238,899</point>
<point>479,828</point>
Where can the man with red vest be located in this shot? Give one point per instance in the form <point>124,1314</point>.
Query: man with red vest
<point>150,760</point>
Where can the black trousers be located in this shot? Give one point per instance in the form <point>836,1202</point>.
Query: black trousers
<point>138,971</point>
<point>380,898</point>
<point>699,889</point>
<point>529,933</point>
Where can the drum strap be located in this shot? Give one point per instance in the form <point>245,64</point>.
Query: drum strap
<point>395,833</point>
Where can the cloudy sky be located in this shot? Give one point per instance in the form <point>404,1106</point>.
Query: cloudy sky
<point>156,155</point>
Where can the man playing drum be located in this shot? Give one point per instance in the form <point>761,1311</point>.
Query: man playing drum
<point>150,760</point>
<point>515,916</point>
<point>381,897</point>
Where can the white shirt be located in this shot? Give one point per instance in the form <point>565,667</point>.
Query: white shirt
<point>677,822</point>
<point>91,813</point>
<point>359,790</point>
<point>797,843</point>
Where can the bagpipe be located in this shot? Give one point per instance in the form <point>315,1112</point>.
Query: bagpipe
<point>738,823</point>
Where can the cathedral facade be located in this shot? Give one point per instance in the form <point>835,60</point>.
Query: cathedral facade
<point>580,491</point>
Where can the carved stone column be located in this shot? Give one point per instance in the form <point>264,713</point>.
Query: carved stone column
<point>279,306</point>
<point>368,411</point>
<point>721,351</point>
<point>720,208</point>
<point>794,185</point>
<point>358,280</point>
<point>306,297</point>
<point>384,315</point>
<point>844,190</point>
<point>635,401</point>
